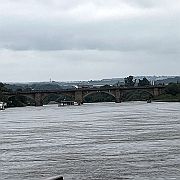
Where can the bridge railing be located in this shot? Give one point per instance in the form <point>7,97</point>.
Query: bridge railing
<point>83,89</point>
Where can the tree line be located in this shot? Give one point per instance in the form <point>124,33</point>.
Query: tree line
<point>131,82</point>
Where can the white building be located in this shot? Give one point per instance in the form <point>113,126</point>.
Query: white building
<point>2,105</point>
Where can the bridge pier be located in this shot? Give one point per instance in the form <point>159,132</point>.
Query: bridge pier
<point>118,96</point>
<point>38,99</point>
<point>79,97</point>
<point>157,91</point>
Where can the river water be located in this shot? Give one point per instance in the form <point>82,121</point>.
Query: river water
<point>93,141</point>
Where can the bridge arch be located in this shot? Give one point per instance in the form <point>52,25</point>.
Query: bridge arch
<point>99,96</point>
<point>139,94</point>
<point>56,97</point>
<point>20,100</point>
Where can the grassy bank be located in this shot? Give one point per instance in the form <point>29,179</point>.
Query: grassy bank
<point>168,98</point>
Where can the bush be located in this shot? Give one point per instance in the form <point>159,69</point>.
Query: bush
<point>173,89</point>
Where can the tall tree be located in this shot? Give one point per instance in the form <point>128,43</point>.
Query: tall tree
<point>173,88</point>
<point>129,81</point>
<point>143,82</point>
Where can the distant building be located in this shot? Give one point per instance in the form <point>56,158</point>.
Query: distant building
<point>80,86</point>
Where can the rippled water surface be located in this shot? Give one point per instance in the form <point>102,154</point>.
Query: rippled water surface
<point>93,141</point>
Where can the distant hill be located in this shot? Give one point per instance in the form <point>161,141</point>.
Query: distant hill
<point>34,86</point>
<point>169,80</point>
<point>54,85</point>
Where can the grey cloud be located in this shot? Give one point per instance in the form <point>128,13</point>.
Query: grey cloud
<point>150,33</point>
<point>132,35</point>
<point>93,39</point>
<point>144,3</point>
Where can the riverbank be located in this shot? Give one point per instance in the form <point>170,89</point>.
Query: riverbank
<point>167,98</point>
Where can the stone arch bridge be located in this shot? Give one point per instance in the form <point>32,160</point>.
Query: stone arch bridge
<point>79,94</point>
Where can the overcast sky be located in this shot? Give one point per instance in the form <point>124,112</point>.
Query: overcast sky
<point>88,39</point>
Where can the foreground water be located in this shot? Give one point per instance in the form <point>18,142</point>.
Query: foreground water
<point>94,141</point>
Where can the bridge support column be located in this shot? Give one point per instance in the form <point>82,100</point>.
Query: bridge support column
<point>156,92</point>
<point>38,99</point>
<point>79,97</point>
<point>118,96</point>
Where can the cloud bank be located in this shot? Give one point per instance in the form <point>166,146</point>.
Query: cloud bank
<point>92,39</point>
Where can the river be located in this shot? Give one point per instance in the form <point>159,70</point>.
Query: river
<point>134,140</point>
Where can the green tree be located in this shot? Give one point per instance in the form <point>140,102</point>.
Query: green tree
<point>173,88</point>
<point>143,82</point>
<point>2,89</point>
<point>129,81</point>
